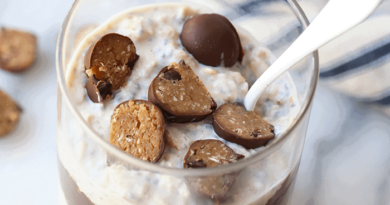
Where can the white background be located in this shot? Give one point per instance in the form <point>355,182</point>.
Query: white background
<point>345,159</point>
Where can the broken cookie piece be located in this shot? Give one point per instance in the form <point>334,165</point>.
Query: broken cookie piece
<point>234,123</point>
<point>138,127</point>
<point>180,94</point>
<point>9,114</point>
<point>97,90</point>
<point>17,50</point>
<point>111,59</point>
<point>210,153</point>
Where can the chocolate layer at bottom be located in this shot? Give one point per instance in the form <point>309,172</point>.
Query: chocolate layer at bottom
<point>74,196</point>
<point>71,191</point>
<point>282,194</point>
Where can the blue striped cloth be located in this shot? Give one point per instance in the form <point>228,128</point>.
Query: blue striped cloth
<point>356,63</point>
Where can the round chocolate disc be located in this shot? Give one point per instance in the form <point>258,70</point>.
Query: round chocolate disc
<point>212,40</point>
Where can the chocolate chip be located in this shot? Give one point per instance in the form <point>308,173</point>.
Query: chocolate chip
<point>212,40</point>
<point>210,153</point>
<point>104,88</point>
<point>97,90</point>
<point>131,64</point>
<point>138,128</point>
<point>172,74</point>
<point>255,134</point>
<point>180,94</point>
<point>234,123</point>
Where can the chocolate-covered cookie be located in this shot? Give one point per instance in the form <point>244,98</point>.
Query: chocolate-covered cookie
<point>210,153</point>
<point>9,114</point>
<point>17,50</point>
<point>212,40</point>
<point>180,94</point>
<point>137,127</point>
<point>111,59</point>
<point>234,123</point>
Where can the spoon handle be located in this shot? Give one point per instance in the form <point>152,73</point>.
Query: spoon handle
<point>336,17</point>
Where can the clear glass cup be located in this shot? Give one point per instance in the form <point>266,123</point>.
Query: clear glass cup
<point>165,185</point>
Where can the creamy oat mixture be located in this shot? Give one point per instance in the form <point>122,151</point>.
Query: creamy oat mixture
<point>155,32</point>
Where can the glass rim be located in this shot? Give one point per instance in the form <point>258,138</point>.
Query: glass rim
<point>147,166</point>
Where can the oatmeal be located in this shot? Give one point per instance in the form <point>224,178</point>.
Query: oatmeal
<point>155,32</point>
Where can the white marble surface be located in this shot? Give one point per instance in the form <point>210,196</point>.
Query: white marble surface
<point>346,155</point>
<point>345,159</point>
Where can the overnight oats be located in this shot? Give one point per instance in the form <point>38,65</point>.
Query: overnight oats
<point>162,86</point>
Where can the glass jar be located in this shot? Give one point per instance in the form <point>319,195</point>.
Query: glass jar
<point>270,172</point>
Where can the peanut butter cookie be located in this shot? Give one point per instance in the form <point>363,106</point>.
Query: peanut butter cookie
<point>17,50</point>
<point>9,114</point>
<point>138,127</point>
